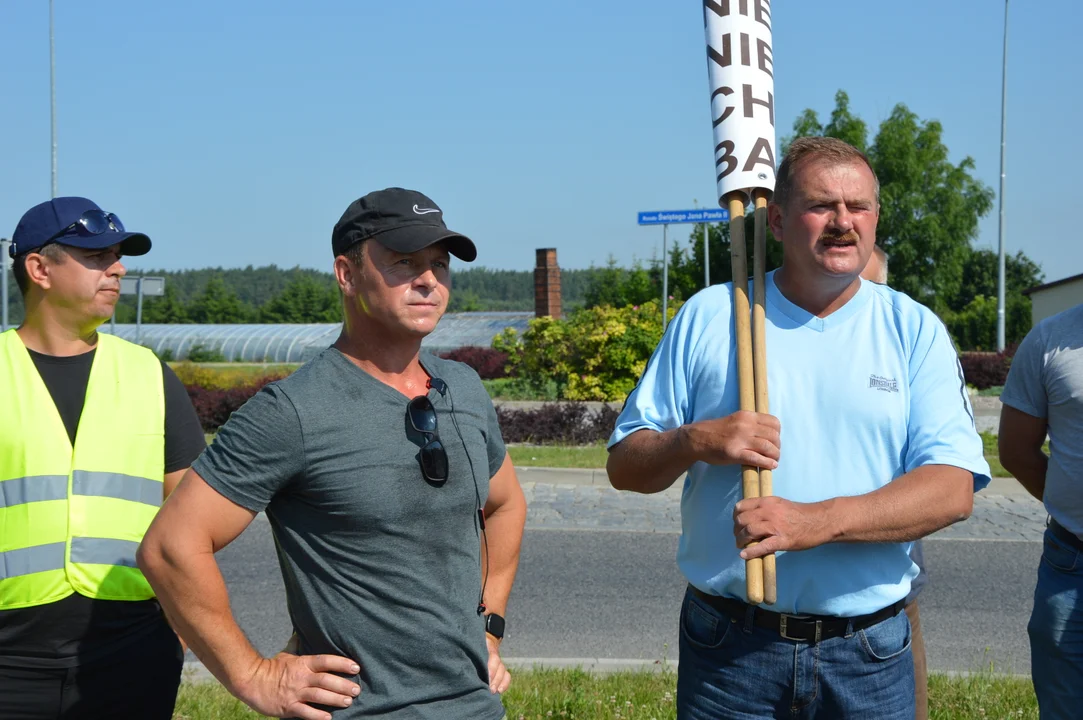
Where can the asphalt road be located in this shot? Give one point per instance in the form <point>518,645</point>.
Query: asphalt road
<point>583,595</point>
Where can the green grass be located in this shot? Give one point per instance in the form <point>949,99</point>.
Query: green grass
<point>541,694</point>
<point>559,456</point>
<point>983,695</point>
<point>209,701</point>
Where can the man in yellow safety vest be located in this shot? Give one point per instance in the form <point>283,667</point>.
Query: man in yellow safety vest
<point>94,433</point>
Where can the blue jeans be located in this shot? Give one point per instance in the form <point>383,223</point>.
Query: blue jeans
<point>731,669</point>
<point>1056,631</point>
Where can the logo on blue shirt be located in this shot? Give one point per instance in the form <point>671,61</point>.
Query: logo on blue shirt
<point>883,383</point>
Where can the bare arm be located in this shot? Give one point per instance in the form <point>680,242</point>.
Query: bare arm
<point>171,481</point>
<point>505,516</point>
<point>912,506</point>
<point>177,558</point>
<point>1019,441</point>
<point>648,461</point>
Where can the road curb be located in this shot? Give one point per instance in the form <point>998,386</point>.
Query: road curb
<point>563,476</point>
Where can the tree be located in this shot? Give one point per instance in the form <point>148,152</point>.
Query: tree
<point>618,287</point>
<point>218,304</point>
<point>975,326</point>
<point>464,301</point>
<point>980,276</point>
<point>845,125</point>
<point>304,300</point>
<point>971,318</point>
<point>165,309</point>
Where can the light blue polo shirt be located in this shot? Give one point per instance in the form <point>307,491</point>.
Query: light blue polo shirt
<point>864,395</point>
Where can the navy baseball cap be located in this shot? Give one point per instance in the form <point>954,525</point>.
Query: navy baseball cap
<point>401,220</point>
<point>76,222</point>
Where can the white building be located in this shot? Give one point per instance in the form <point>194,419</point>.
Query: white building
<point>1054,297</point>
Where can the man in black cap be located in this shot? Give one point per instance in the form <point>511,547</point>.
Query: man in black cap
<point>94,433</point>
<point>395,508</point>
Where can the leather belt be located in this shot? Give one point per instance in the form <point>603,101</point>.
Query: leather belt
<point>1065,535</point>
<point>797,628</point>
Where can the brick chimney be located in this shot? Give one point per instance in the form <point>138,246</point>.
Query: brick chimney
<point>547,283</point>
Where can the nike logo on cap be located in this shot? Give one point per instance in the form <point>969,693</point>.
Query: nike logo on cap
<point>425,211</point>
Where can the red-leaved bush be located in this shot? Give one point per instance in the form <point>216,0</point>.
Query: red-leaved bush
<point>214,406</point>
<point>986,369</point>
<point>565,423</point>
<point>490,364</point>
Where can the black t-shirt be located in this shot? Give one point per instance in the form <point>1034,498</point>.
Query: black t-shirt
<point>77,629</point>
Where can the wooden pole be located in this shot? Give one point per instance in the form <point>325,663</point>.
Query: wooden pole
<point>742,330</point>
<point>759,362</point>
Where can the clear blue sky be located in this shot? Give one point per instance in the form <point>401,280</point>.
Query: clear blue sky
<point>236,132</point>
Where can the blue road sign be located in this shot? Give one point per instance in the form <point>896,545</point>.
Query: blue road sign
<point>673,217</point>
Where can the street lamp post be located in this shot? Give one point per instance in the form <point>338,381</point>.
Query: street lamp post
<point>52,92</point>
<point>1003,126</point>
<point>4,262</point>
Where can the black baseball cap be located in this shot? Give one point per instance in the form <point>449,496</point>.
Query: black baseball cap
<point>401,220</point>
<point>77,222</point>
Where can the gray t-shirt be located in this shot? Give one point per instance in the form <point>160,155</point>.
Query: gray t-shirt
<point>1046,381</point>
<point>380,565</point>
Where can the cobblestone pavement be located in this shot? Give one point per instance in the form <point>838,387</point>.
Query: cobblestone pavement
<point>584,507</point>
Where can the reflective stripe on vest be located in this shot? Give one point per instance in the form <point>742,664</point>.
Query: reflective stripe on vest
<point>103,551</point>
<point>18,491</point>
<point>26,561</point>
<point>116,485</point>
<point>71,518</point>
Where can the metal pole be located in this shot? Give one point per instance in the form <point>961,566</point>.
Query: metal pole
<point>665,278</point>
<point>1003,130</point>
<point>52,90</point>
<point>138,310</point>
<point>706,259</point>
<point>4,261</point>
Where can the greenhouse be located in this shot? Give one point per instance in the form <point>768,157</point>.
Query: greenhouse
<point>270,343</point>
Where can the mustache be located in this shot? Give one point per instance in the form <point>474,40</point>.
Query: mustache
<point>848,236</point>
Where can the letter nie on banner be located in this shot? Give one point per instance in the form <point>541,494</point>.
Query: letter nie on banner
<point>741,73</point>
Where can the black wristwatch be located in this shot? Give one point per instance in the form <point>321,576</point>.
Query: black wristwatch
<point>494,625</point>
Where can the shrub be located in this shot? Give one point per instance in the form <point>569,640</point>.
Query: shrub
<point>557,423</point>
<point>489,363</point>
<point>224,378</point>
<point>513,388</point>
<point>200,353</point>
<point>215,406</point>
<point>986,369</point>
<point>596,354</point>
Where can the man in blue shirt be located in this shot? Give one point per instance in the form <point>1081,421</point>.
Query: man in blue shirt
<point>868,400</point>
<point>876,271</point>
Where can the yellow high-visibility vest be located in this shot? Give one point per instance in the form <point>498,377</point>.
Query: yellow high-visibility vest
<point>71,519</point>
